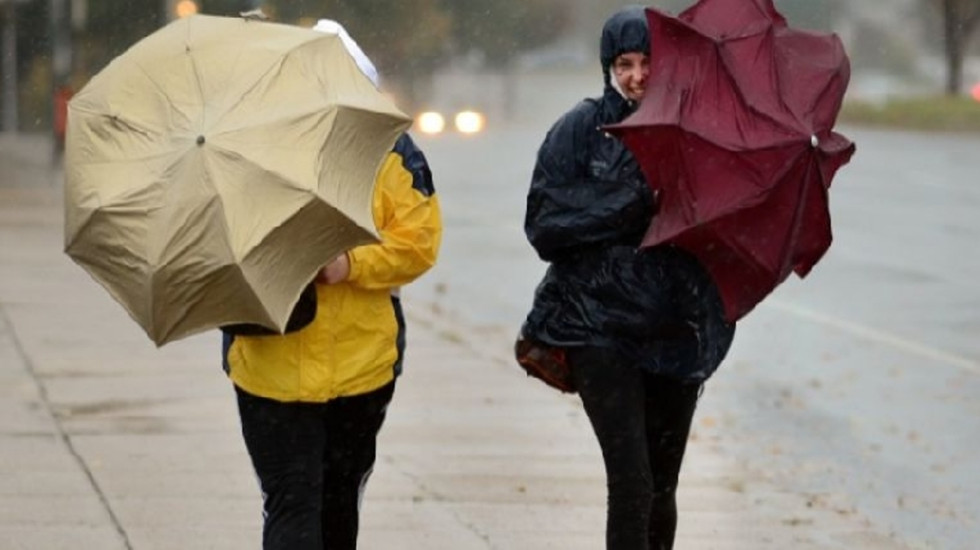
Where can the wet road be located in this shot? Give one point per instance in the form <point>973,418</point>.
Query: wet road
<point>856,386</point>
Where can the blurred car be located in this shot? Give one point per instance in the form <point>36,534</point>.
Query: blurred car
<point>466,122</point>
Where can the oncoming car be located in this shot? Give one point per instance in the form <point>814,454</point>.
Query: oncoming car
<point>466,122</point>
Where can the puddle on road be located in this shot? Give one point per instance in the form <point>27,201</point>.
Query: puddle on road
<point>108,412</point>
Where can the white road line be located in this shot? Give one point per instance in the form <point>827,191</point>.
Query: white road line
<point>879,336</point>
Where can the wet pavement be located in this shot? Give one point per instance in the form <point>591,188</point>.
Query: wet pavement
<point>845,416</point>
<point>855,385</point>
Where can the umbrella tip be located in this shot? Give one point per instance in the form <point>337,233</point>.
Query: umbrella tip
<point>200,140</point>
<point>814,142</point>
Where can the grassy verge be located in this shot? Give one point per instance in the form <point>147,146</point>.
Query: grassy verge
<point>958,114</point>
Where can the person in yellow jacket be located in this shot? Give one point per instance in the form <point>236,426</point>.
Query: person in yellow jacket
<point>311,402</point>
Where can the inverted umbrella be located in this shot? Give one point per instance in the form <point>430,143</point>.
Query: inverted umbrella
<point>216,165</point>
<point>735,134</point>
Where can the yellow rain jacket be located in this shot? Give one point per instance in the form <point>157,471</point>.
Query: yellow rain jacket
<point>355,343</point>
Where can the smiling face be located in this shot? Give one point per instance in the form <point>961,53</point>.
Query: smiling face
<point>631,71</point>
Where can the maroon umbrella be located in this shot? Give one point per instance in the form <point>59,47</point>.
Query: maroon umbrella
<point>735,134</point>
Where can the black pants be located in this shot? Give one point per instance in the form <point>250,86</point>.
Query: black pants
<point>313,461</point>
<point>642,422</point>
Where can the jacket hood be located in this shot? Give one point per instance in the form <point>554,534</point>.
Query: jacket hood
<point>625,31</point>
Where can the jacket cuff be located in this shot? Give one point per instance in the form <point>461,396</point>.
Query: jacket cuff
<point>354,271</point>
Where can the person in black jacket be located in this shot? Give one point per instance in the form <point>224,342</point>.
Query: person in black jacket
<point>642,329</point>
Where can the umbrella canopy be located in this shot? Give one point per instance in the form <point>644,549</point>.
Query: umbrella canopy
<point>734,133</point>
<point>216,165</point>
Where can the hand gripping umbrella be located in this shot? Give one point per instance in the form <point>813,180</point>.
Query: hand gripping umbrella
<point>735,133</point>
<point>216,165</point>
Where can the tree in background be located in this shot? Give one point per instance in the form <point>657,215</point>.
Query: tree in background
<point>410,40</point>
<point>499,31</point>
<point>818,15</point>
<point>960,19</point>
<point>226,7</point>
<point>805,14</point>
<point>111,27</point>
<point>496,33</point>
<point>407,40</point>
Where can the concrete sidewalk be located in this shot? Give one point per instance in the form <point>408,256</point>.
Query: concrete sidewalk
<point>109,443</point>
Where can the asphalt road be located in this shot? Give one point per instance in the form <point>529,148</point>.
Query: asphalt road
<point>856,386</point>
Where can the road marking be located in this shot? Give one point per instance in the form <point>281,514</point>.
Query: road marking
<point>879,336</point>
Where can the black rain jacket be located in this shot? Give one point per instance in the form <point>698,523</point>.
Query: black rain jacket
<point>587,211</point>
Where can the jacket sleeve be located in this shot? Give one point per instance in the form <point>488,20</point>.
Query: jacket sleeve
<point>406,212</point>
<point>566,207</point>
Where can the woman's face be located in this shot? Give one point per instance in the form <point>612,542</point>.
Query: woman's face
<point>631,71</point>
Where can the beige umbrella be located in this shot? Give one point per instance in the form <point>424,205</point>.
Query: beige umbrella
<point>216,165</point>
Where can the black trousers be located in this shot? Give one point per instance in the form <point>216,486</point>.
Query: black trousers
<point>642,423</point>
<point>312,461</point>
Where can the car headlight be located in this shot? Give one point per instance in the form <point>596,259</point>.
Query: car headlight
<point>469,122</point>
<point>430,122</point>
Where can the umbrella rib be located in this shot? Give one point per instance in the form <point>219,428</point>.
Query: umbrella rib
<point>110,162</point>
<point>823,93</point>
<point>264,170</point>
<point>197,76</point>
<point>129,122</point>
<point>277,67</point>
<point>728,72</point>
<point>273,68</point>
<point>132,124</point>
<point>802,118</point>
<point>252,125</point>
<point>782,102</point>
<point>269,171</point>
<point>797,215</point>
<point>159,88</point>
<point>313,110</point>
<point>747,163</point>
